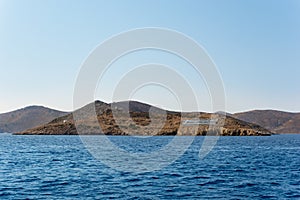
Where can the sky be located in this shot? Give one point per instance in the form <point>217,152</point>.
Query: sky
<point>254,44</point>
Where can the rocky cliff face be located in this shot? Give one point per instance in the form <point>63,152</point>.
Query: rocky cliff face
<point>143,119</point>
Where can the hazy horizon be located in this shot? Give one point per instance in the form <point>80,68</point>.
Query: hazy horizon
<point>255,46</point>
<point>149,103</point>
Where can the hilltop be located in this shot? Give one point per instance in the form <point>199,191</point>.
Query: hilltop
<point>273,120</point>
<point>27,118</point>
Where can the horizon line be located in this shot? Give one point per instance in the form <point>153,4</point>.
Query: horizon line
<point>139,101</point>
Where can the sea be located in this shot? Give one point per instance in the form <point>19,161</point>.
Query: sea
<point>62,167</point>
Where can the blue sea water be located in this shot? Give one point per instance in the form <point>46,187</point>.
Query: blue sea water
<point>60,167</point>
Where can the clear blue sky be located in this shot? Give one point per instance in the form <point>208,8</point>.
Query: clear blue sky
<point>255,44</point>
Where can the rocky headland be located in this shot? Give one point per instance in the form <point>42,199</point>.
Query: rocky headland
<point>135,118</point>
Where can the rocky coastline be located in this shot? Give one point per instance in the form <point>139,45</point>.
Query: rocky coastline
<point>138,122</point>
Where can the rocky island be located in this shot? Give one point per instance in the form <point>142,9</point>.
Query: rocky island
<point>135,118</point>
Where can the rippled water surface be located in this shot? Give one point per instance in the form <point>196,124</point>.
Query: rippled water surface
<point>60,167</point>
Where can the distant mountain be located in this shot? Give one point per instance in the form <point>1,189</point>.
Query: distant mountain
<point>26,118</point>
<point>275,121</point>
<point>135,118</point>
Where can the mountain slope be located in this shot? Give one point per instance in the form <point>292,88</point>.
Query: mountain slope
<point>114,119</point>
<point>275,121</point>
<point>26,118</point>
